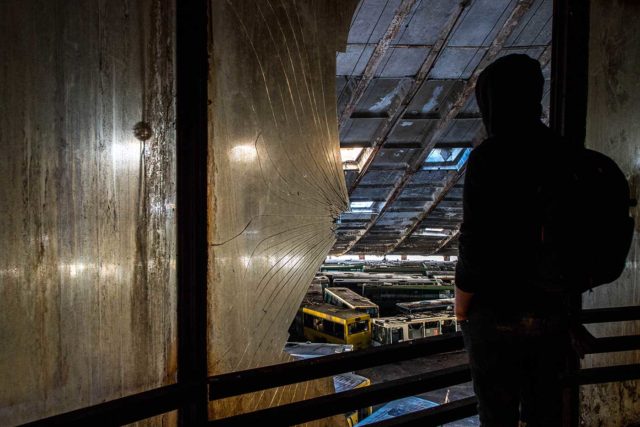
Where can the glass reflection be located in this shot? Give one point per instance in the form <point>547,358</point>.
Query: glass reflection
<point>243,153</point>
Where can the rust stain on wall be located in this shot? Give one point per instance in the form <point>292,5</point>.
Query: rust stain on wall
<point>87,252</point>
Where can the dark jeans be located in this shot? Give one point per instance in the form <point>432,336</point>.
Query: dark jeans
<point>515,367</point>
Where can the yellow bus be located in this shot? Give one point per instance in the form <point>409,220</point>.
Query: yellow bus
<point>350,381</point>
<point>336,325</point>
<point>345,297</point>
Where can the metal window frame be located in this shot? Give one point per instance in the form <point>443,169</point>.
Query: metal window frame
<point>567,117</point>
<point>192,75</point>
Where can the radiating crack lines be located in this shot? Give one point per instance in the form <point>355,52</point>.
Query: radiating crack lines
<point>274,208</point>
<point>257,56</point>
<point>314,257</point>
<point>314,260</point>
<point>288,192</point>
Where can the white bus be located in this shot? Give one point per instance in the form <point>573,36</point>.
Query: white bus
<point>390,330</point>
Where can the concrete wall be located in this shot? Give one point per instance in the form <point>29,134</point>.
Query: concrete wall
<point>277,181</point>
<point>613,128</point>
<point>87,244</point>
<point>87,253</point>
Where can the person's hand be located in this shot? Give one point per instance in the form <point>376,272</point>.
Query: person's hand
<point>462,303</point>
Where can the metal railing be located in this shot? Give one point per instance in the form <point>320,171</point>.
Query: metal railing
<point>339,403</point>
<point>165,399</point>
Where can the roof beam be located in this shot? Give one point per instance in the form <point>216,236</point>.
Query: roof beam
<point>431,137</point>
<point>443,244</point>
<point>376,58</point>
<point>544,59</point>
<point>452,180</point>
<point>398,110</point>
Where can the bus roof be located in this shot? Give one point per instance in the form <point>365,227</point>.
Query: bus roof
<point>314,293</point>
<point>389,281</point>
<point>374,276</point>
<point>332,310</point>
<point>425,305</point>
<point>415,318</point>
<point>400,286</point>
<point>308,350</point>
<point>351,297</point>
<point>348,381</point>
<point>397,408</point>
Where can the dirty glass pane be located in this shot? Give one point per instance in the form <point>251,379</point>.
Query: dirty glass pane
<point>87,243</point>
<point>276,173</point>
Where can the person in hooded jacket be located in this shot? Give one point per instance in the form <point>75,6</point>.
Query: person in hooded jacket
<point>515,331</point>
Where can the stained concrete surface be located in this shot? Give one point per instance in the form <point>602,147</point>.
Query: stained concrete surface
<point>613,128</point>
<point>87,242</point>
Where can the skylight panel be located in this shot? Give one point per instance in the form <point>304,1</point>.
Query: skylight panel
<point>361,205</point>
<point>350,154</point>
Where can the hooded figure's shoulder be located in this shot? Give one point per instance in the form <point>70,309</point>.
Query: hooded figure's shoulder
<point>485,151</point>
<point>534,140</point>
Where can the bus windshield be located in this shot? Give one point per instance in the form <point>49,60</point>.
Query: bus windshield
<point>378,333</point>
<point>358,326</point>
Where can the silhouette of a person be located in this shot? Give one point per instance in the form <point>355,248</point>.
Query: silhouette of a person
<point>516,332</point>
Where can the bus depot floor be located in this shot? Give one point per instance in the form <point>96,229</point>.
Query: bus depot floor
<point>425,364</point>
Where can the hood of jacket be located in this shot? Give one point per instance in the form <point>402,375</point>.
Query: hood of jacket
<point>509,94</point>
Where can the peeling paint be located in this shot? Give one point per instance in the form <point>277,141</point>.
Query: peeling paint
<point>383,103</point>
<point>434,101</point>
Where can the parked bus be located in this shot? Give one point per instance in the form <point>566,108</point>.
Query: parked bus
<point>386,294</point>
<point>390,330</point>
<point>336,325</point>
<point>342,267</point>
<point>428,305</point>
<point>310,350</point>
<point>345,297</point>
<point>397,408</point>
<point>351,381</point>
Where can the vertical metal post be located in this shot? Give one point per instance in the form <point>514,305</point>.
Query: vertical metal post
<point>570,68</point>
<point>569,90</point>
<point>192,20</point>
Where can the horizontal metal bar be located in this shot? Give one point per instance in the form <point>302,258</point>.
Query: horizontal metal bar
<point>401,144</point>
<point>369,115</point>
<point>604,375</point>
<point>615,344</point>
<point>236,383</point>
<point>358,144</point>
<point>339,403</point>
<point>125,410</point>
<point>422,46</point>
<point>610,314</point>
<point>436,416</point>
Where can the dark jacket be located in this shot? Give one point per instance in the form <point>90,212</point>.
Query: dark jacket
<point>501,230</point>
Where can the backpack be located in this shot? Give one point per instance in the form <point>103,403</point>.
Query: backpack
<point>585,227</point>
